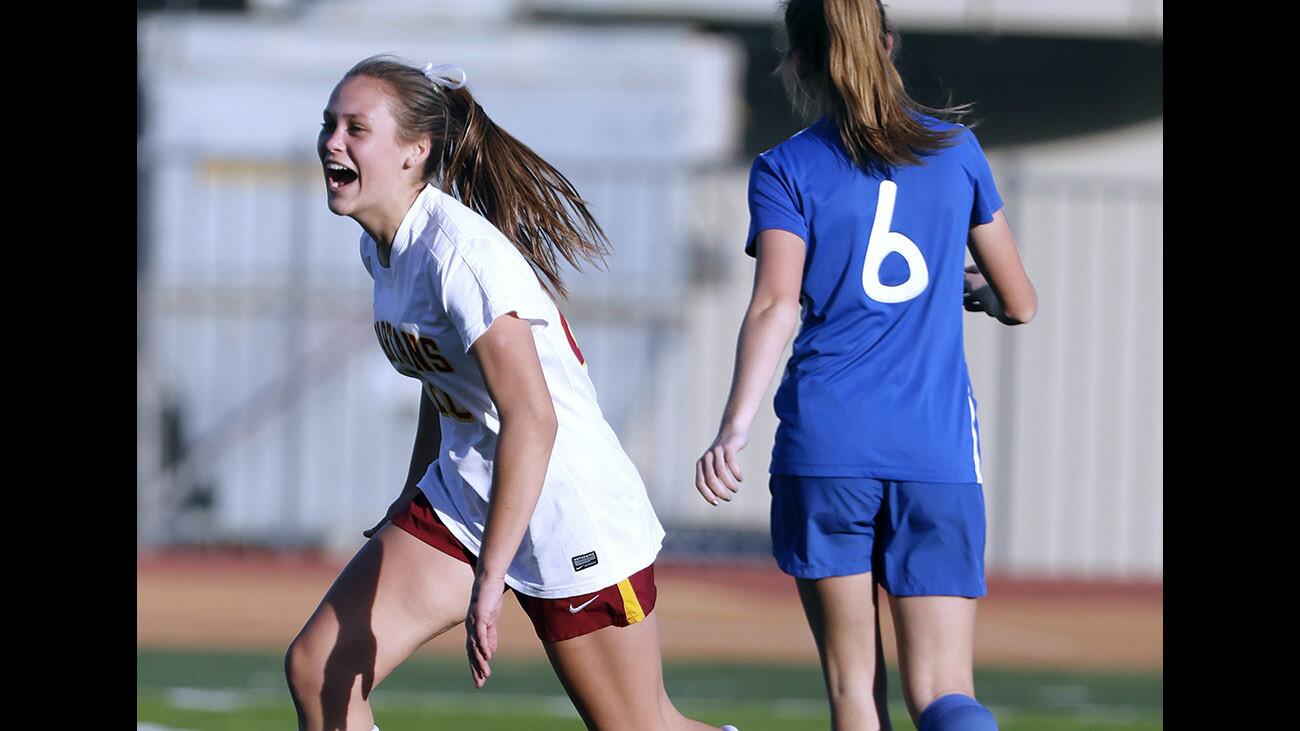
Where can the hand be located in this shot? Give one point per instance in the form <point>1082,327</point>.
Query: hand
<point>407,496</point>
<point>978,296</point>
<point>481,625</point>
<point>717,472</point>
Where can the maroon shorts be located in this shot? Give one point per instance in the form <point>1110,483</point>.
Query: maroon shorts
<point>627,602</point>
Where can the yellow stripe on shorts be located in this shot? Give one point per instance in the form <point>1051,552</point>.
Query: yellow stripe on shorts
<point>631,606</point>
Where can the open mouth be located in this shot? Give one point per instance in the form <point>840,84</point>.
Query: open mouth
<point>337,176</point>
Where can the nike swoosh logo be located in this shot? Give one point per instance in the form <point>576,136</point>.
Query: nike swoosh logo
<point>579,608</point>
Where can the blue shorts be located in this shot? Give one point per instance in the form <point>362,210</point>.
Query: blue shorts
<point>918,538</point>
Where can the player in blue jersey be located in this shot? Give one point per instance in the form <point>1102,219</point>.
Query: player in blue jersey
<point>859,224</point>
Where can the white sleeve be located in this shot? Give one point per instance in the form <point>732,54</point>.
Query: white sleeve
<point>482,279</point>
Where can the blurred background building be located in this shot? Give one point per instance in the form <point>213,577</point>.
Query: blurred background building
<point>267,415</point>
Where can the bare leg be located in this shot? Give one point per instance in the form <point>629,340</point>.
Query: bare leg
<point>936,638</point>
<point>395,594</point>
<point>880,686</point>
<point>842,614</point>
<point>615,678</point>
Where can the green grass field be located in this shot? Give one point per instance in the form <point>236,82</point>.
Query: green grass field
<point>213,691</point>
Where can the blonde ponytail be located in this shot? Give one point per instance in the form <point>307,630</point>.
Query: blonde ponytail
<point>487,169</point>
<point>838,60</point>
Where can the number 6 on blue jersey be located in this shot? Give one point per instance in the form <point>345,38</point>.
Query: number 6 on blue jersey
<point>884,242</point>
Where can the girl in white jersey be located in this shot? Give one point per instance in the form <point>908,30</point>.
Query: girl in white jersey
<point>516,480</point>
<point>860,224</point>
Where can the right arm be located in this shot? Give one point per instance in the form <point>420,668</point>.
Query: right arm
<point>1000,273</point>
<point>428,440</point>
<point>769,323</point>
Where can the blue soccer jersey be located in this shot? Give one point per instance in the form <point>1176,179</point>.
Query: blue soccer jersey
<point>877,384</point>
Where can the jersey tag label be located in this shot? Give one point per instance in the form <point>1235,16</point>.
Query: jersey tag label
<point>585,561</point>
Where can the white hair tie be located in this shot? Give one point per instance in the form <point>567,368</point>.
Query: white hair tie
<point>447,75</point>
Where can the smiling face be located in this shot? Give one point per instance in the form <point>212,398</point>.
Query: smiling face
<point>368,168</point>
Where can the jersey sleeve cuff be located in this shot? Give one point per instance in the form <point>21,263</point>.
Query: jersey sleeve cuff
<point>534,316</point>
<point>751,246</point>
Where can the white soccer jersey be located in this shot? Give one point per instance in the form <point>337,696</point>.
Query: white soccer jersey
<point>451,273</point>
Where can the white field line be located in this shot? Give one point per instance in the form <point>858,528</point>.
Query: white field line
<point>212,699</point>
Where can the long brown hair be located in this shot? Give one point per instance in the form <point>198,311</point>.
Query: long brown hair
<point>473,159</point>
<point>835,60</point>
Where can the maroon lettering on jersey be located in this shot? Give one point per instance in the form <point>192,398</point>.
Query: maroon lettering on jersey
<point>572,343</point>
<point>413,347</point>
<point>384,345</point>
<point>431,351</point>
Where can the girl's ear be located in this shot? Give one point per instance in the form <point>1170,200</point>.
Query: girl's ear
<point>419,153</point>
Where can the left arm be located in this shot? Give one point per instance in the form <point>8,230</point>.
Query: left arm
<point>998,284</point>
<point>507,356</point>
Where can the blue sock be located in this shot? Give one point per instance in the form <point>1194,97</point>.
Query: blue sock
<point>956,712</point>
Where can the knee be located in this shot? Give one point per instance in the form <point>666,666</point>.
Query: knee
<point>850,688</point>
<point>853,700</point>
<point>956,712</point>
<point>303,669</point>
<point>858,692</point>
